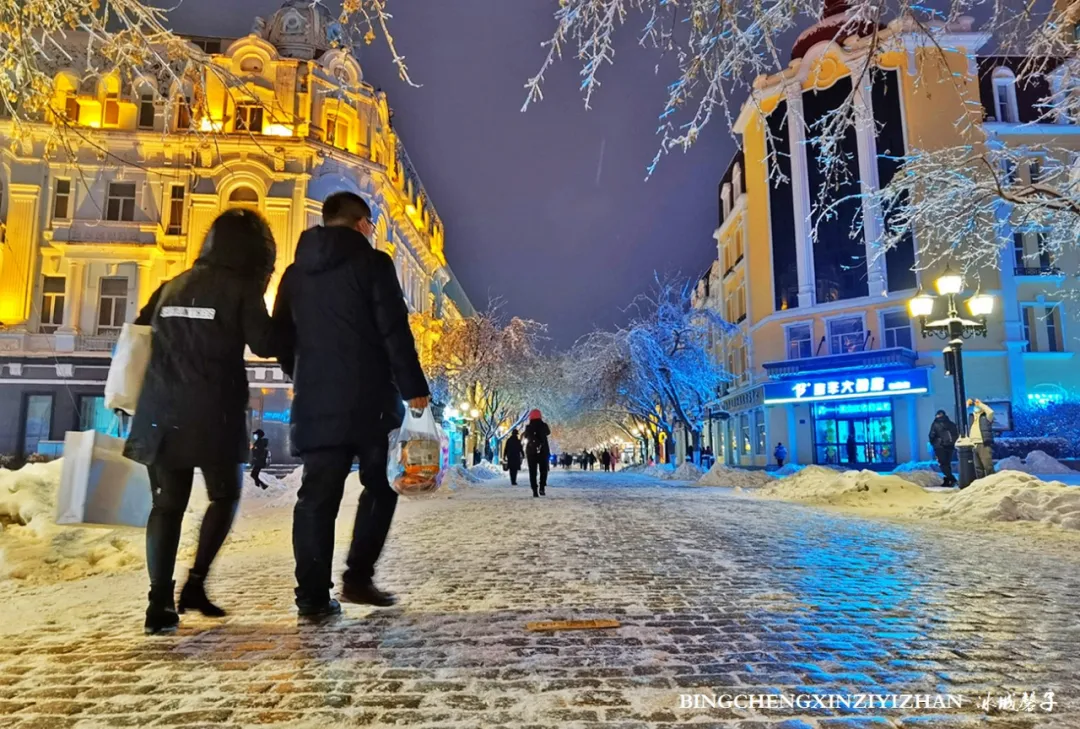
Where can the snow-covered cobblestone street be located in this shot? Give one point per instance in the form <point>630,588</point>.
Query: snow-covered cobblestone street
<point>716,594</point>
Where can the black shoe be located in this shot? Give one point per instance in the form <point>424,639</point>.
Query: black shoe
<point>366,594</point>
<point>161,616</point>
<point>193,597</point>
<point>536,494</point>
<point>318,611</point>
<point>542,492</point>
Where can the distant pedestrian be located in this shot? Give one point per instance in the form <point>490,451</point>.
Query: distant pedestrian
<point>943,437</point>
<point>537,452</point>
<point>981,432</point>
<point>476,457</point>
<point>260,457</point>
<point>514,454</point>
<point>605,461</point>
<point>489,454</point>
<point>852,449</point>
<point>592,459</point>
<point>780,454</point>
<point>584,462</point>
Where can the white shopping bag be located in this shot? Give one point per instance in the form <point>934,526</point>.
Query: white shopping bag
<point>128,368</point>
<point>98,485</point>
<point>416,464</point>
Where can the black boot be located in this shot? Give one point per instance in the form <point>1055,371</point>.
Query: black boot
<point>193,597</point>
<point>366,594</point>
<point>161,617</point>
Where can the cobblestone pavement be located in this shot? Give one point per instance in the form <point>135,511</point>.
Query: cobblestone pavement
<point>716,594</point>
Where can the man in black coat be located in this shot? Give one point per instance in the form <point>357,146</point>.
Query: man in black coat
<point>943,437</point>
<point>537,451</point>
<point>514,455</point>
<point>352,362</point>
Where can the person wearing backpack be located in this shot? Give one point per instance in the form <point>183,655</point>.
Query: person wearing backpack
<point>780,454</point>
<point>537,451</point>
<point>943,437</point>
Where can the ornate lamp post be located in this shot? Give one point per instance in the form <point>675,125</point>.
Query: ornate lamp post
<point>955,329</point>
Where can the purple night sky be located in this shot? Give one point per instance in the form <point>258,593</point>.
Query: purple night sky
<point>547,209</point>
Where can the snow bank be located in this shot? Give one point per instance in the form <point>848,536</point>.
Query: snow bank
<point>859,489</point>
<point>688,471</point>
<point>34,549</point>
<point>486,471</point>
<point>788,469</point>
<point>722,475</point>
<point>1037,462</point>
<point>660,470</point>
<point>1010,496</point>
<point>459,477</point>
<point>923,473</point>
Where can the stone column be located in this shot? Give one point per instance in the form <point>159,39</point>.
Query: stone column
<point>278,215</point>
<point>144,284</point>
<point>201,213</point>
<point>18,253</point>
<point>873,220</point>
<point>800,194</point>
<point>74,286</point>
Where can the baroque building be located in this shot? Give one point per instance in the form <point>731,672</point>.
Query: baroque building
<point>828,352</point>
<point>283,120</point>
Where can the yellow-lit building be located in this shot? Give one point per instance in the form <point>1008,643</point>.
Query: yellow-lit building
<point>829,353</point>
<point>88,236</point>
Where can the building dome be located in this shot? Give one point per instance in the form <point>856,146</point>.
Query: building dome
<point>301,29</point>
<point>833,16</point>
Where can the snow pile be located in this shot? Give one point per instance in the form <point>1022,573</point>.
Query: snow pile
<point>788,469</point>
<point>486,471</point>
<point>722,475</point>
<point>688,471</point>
<point>1011,496</point>
<point>860,489</point>
<point>634,468</point>
<point>923,473</point>
<point>34,549</point>
<point>1037,462</point>
<point>458,477</point>
<point>660,470</point>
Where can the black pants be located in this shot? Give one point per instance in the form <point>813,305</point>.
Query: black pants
<point>780,462</point>
<point>256,469</point>
<point>541,465</point>
<point>944,459</point>
<point>513,474</point>
<point>316,511</point>
<point>171,490</point>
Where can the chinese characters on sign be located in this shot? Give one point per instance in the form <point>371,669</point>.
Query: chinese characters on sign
<point>847,387</point>
<point>1028,702</point>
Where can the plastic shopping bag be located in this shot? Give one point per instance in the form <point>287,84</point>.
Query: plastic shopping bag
<point>416,464</point>
<point>128,368</point>
<point>98,485</point>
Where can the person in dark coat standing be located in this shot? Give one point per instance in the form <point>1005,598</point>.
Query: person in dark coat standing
<point>943,437</point>
<point>514,454</point>
<point>260,457</point>
<point>780,454</point>
<point>192,410</point>
<point>605,460</point>
<point>353,362</point>
<point>852,449</point>
<point>537,451</point>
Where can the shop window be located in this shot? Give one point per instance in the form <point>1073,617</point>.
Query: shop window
<point>800,341</point>
<point>93,415</point>
<point>37,422</point>
<point>52,303</point>
<point>896,330</point>
<point>854,434</point>
<point>146,111</point>
<point>249,118</point>
<point>759,440</point>
<point>744,429</point>
<point>176,210</point>
<point>62,200</point>
<point>846,335</point>
<point>112,305</point>
<point>120,204</point>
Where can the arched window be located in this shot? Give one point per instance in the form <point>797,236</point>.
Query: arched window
<point>244,197</point>
<point>1005,95</point>
<point>110,103</point>
<point>251,64</point>
<point>736,180</point>
<point>726,197</point>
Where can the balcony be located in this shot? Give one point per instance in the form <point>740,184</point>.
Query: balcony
<point>890,358</point>
<point>1037,271</point>
<point>101,342</point>
<point>17,341</point>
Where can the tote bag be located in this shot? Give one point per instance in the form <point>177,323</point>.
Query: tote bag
<point>98,485</point>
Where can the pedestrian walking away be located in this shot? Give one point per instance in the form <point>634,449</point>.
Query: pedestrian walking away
<point>981,433</point>
<point>260,457</point>
<point>353,361</point>
<point>605,460</point>
<point>852,448</point>
<point>780,454</point>
<point>514,455</point>
<point>537,452</point>
<point>192,411</point>
<point>943,437</point>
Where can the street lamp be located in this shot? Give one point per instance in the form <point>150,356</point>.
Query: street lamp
<point>955,329</point>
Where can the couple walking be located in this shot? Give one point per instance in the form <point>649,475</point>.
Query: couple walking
<point>340,330</point>
<point>536,451</point>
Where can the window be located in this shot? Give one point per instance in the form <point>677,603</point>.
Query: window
<point>1053,330</point>
<point>1019,257</point>
<point>208,45</point>
<point>183,113</point>
<point>111,113</point>
<point>744,428</point>
<point>251,64</point>
<point>52,303</point>
<point>736,181</point>
<point>1005,96</point>
<point>1035,171</point>
<point>93,415</point>
<point>896,330</point>
<point>1030,327</point>
<point>740,303</point>
<point>62,200</point>
<point>249,118</point>
<point>146,111</point>
<point>725,196</point>
<point>176,211</point>
<point>121,202</point>
<point>1046,259</point>
<point>759,441</point>
<point>71,108</point>
<point>244,197</point>
<point>337,131</point>
<point>1008,168</point>
<point>738,246</point>
<point>846,335</point>
<point>37,422</point>
<point>800,341</point>
<point>112,308</point>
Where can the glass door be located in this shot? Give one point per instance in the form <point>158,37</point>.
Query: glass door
<point>37,422</point>
<point>854,434</point>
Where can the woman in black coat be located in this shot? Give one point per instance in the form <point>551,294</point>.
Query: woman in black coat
<point>192,411</point>
<point>538,451</point>
<point>514,455</point>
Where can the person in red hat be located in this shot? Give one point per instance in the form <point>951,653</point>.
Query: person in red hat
<point>537,451</point>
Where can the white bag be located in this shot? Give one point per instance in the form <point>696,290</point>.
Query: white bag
<point>128,368</point>
<point>98,485</point>
<point>417,463</point>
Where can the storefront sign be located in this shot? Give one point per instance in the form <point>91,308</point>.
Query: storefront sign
<point>849,386</point>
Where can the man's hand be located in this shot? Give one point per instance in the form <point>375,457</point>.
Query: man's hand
<point>419,403</point>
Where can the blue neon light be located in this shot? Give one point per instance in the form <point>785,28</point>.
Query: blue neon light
<point>848,387</point>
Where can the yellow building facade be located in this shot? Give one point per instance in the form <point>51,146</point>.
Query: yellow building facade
<point>89,233</point>
<point>830,363</point>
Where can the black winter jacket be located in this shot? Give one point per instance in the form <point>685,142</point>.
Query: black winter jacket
<point>192,410</point>
<point>943,433</point>
<point>537,432</point>
<point>350,351</point>
<point>513,452</point>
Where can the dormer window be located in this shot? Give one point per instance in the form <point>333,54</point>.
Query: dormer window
<point>1005,96</point>
<point>251,64</point>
